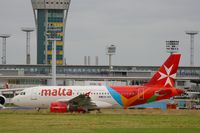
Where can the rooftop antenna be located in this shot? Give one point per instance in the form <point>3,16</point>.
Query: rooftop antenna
<point>28,31</point>
<point>4,37</point>
<point>192,34</point>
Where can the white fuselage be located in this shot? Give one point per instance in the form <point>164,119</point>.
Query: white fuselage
<point>43,96</point>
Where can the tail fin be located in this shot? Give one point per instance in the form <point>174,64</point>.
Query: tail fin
<point>166,74</point>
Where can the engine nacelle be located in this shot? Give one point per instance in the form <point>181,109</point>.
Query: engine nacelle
<point>62,107</point>
<point>58,107</point>
<point>2,100</point>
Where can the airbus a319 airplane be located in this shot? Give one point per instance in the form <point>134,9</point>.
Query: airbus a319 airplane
<point>87,98</point>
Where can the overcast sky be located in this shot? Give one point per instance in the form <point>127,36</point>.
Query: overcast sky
<point>139,29</point>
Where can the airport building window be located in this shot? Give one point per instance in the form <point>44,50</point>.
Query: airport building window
<point>59,57</point>
<point>180,83</point>
<point>59,48</point>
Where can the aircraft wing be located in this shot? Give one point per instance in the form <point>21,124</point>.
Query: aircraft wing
<point>13,108</point>
<point>11,90</point>
<point>83,102</point>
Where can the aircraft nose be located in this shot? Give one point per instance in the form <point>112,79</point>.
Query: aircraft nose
<point>180,91</point>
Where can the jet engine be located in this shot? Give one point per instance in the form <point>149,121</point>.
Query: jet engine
<point>63,107</point>
<point>2,100</point>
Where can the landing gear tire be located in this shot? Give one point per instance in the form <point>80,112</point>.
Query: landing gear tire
<point>99,111</point>
<point>38,109</point>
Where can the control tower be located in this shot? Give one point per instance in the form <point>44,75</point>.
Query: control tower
<point>50,16</point>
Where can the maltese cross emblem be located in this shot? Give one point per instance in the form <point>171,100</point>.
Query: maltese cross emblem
<point>169,77</point>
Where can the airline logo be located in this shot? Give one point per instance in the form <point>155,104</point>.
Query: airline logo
<point>56,92</point>
<point>167,76</point>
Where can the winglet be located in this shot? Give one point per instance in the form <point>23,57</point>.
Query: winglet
<point>165,76</point>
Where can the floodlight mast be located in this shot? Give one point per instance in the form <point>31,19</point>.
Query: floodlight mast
<point>52,37</point>
<point>28,31</point>
<point>111,50</point>
<point>4,37</point>
<point>192,34</point>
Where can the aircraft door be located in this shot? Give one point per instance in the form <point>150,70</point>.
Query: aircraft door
<point>34,94</point>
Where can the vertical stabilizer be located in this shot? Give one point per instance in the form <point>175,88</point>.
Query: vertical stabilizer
<point>166,75</point>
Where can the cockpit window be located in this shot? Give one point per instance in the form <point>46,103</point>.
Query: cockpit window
<point>22,93</point>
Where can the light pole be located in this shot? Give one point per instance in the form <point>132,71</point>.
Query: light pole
<point>191,34</point>
<point>53,39</point>
<point>4,37</point>
<point>28,55</point>
<point>111,50</point>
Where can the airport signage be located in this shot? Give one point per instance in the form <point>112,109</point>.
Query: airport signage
<point>172,46</point>
<point>111,49</point>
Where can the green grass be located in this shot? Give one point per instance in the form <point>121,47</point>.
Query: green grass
<point>110,121</point>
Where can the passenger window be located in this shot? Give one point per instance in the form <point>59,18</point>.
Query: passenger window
<point>22,93</point>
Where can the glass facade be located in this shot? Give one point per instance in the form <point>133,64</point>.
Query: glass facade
<point>56,24</point>
<point>41,30</point>
<point>49,21</point>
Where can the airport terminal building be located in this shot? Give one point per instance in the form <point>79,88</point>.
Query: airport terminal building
<point>23,76</point>
<point>32,75</point>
